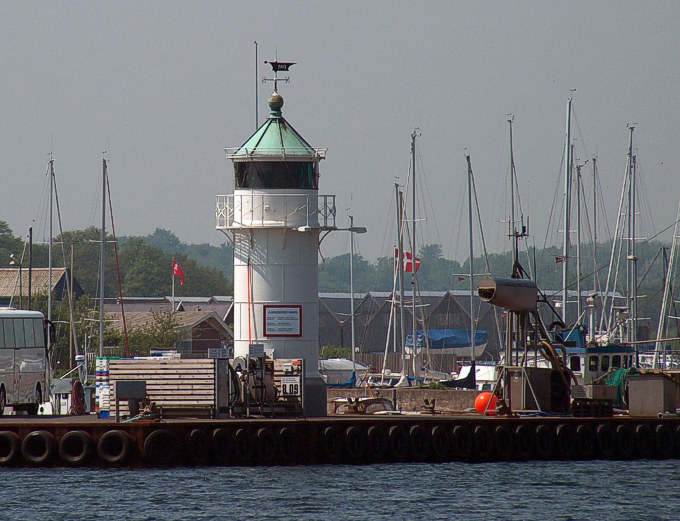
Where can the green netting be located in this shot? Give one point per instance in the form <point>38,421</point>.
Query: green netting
<point>619,378</point>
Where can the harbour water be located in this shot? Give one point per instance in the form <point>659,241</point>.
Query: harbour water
<point>603,490</point>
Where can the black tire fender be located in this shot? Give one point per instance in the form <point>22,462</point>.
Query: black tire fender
<point>565,441</point>
<point>376,443</point>
<point>482,441</point>
<point>503,442</point>
<point>419,442</point>
<point>76,448</point>
<point>440,444</point>
<point>331,444</point>
<point>114,447</point>
<point>605,441</point>
<point>398,443</point>
<point>355,443</point>
<point>221,445</point>
<point>197,447</point>
<point>625,441</point>
<point>461,443</point>
<point>585,441</point>
<point>525,440</point>
<point>287,445</point>
<point>244,446</point>
<point>644,441</point>
<point>663,437</point>
<point>266,444</point>
<point>161,447</point>
<point>38,448</point>
<point>10,446</point>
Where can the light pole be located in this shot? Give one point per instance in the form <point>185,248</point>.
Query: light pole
<point>15,262</point>
<point>352,230</point>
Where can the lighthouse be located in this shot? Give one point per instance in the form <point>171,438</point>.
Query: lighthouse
<point>275,217</point>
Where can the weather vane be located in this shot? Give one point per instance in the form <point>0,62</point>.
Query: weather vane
<point>277,67</point>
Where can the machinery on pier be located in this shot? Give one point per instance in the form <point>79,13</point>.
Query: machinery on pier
<point>534,375</point>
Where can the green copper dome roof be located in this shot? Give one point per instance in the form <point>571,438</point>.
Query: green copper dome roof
<point>276,139</point>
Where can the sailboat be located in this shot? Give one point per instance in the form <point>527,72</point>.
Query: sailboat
<point>591,354</point>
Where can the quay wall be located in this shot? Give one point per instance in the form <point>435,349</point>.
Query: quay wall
<point>346,439</point>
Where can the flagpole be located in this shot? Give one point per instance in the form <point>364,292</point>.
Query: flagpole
<point>173,283</point>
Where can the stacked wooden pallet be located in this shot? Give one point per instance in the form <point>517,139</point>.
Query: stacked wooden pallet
<point>183,387</point>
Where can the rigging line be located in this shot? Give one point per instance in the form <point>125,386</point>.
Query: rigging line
<point>603,206</point>
<point>617,231</point>
<point>120,285</point>
<point>425,200</point>
<point>578,128</point>
<point>41,225</point>
<point>389,229</point>
<point>63,255</point>
<point>649,267</point>
<point>553,231</point>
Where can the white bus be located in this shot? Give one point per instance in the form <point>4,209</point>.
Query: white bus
<point>24,337</point>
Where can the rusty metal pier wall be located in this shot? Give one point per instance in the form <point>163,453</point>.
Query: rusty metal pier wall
<point>82,441</point>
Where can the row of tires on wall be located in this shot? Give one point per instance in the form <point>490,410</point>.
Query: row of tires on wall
<point>357,444</point>
<point>161,447</point>
<point>498,442</point>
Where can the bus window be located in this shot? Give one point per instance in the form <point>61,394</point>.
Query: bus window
<point>2,334</point>
<point>39,332</point>
<point>604,364</point>
<point>616,361</point>
<point>9,332</point>
<point>575,363</point>
<point>592,364</point>
<point>19,337</point>
<point>29,334</point>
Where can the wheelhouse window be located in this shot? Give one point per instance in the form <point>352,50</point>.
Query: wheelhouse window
<point>575,363</point>
<point>592,364</point>
<point>277,174</point>
<point>616,361</point>
<point>604,363</point>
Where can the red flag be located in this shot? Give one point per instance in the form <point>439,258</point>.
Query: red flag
<point>408,262</point>
<point>559,259</point>
<point>176,270</point>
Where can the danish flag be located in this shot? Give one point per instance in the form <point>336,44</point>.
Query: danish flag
<point>408,261</point>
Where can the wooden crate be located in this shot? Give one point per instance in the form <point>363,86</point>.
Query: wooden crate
<point>179,387</point>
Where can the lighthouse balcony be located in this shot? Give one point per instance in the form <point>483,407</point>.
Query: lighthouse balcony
<point>292,211</point>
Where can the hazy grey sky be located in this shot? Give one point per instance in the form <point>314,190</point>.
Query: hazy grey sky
<point>164,87</point>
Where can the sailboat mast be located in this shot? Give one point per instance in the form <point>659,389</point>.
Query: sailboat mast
<point>413,254</point>
<point>632,278</point>
<point>102,251</point>
<point>473,369</point>
<point>511,225</point>
<point>667,291</point>
<point>578,237</point>
<point>400,268</point>
<point>567,210</point>
<point>49,247</point>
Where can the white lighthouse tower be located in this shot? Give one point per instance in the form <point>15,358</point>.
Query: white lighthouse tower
<point>275,216</point>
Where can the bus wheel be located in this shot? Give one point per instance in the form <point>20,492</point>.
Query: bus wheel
<point>32,409</point>
<point>3,400</point>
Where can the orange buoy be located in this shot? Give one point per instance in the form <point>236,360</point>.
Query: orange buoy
<point>483,399</point>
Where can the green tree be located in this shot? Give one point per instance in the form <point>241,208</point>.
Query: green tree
<point>161,332</point>
<point>9,244</point>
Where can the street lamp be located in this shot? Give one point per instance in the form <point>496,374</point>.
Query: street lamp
<point>352,230</point>
<point>15,262</point>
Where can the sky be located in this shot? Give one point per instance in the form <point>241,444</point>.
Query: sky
<point>164,87</point>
